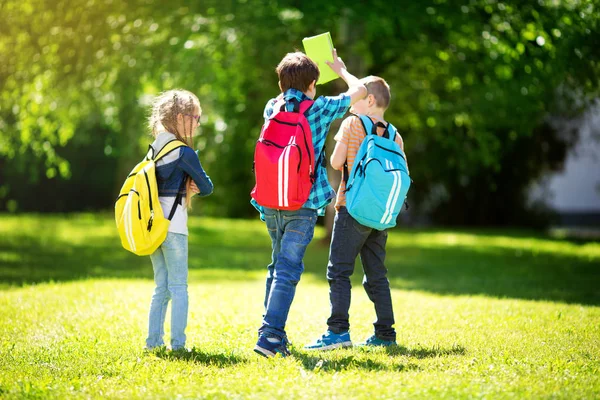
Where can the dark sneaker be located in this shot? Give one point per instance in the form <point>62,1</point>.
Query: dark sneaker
<point>374,341</point>
<point>271,346</point>
<point>330,341</point>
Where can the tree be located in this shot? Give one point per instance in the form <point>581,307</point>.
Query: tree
<point>474,86</point>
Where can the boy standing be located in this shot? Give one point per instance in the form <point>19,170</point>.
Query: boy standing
<point>351,239</point>
<point>292,231</point>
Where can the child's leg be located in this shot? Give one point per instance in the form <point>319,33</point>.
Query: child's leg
<point>377,285</point>
<point>298,229</point>
<point>275,233</point>
<point>160,300</point>
<point>346,241</point>
<point>175,249</point>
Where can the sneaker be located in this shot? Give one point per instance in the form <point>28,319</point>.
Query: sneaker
<point>330,341</point>
<point>374,341</point>
<point>270,346</point>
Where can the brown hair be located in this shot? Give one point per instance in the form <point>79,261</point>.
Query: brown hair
<point>379,88</point>
<point>297,71</point>
<point>165,110</point>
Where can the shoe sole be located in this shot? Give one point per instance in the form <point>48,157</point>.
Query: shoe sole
<point>376,345</point>
<point>331,346</point>
<point>263,352</point>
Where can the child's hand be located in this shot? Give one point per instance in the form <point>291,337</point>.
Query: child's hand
<point>337,65</point>
<point>193,188</point>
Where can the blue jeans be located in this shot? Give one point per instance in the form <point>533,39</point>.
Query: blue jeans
<point>170,264</point>
<point>350,239</point>
<point>290,232</point>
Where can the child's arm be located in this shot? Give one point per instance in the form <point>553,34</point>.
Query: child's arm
<point>356,90</point>
<point>190,164</point>
<point>338,157</point>
<point>340,152</point>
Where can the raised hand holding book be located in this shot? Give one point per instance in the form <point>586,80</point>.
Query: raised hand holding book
<point>319,49</point>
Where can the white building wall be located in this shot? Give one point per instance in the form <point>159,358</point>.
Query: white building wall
<point>577,187</point>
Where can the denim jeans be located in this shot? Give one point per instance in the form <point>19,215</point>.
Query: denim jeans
<point>349,240</point>
<point>170,264</point>
<point>290,232</point>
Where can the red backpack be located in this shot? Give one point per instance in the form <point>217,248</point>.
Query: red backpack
<point>284,159</point>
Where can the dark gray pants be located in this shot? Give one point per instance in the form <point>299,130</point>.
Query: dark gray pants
<point>349,240</point>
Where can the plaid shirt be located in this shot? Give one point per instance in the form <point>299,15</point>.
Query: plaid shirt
<point>319,116</point>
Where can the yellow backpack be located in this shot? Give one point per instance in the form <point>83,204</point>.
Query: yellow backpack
<point>138,213</point>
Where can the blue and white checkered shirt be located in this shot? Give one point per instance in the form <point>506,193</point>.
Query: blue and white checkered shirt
<point>320,115</point>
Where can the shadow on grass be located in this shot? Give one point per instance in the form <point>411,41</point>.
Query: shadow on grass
<point>361,358</point>
<point>338,362</point>
<point>197,356</point>
<point>38,251</point>
<point>422,352</point>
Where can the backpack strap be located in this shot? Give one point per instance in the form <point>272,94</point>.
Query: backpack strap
<point>298,107</point>
<point>305,105</point>
<point>178,198</point>
<point>278,106</point>
<point>371,128</point>
<point>346,175</point>
<point>392,131</point>
<point>167,148</point>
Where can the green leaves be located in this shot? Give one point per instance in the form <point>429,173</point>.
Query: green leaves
<point>459,75</point>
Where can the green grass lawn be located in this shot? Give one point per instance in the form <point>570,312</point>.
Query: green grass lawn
<point>480,314</point>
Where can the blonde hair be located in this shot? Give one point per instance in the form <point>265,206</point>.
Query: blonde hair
<point>380,90</point>
<point>165,110</point>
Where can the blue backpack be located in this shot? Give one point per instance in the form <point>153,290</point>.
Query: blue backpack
<point>378,183</point>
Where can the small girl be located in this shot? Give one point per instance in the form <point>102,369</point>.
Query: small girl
<point>175,115</point>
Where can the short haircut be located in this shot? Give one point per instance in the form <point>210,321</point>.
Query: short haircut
<point>297,71</point>
<point>379,88</point>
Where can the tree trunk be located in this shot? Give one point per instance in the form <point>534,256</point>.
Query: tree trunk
<point>129,116</point>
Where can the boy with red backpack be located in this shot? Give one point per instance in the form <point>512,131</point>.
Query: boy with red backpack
<point>292,188</point>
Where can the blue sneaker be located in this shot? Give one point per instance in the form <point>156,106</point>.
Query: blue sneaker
<point>270,346</point>
<point>374,341</point>
<point>330,341</point>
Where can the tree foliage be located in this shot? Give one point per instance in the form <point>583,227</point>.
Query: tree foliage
<point>474,86</point>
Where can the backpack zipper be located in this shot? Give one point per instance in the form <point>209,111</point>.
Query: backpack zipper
<point>391,151</point>
<point>270,143</point>
<point>150,201</point>
<point>139,208</point>
<point>363,168</point>
<point>303,134</point>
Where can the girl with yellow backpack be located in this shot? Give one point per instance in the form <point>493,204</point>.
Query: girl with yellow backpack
<point>159,190</point>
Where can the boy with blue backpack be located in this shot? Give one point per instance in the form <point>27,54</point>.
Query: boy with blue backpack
<point>369,199</point>
<point>291,181</point>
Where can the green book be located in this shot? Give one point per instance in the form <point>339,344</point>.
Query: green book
<point>319,49</point>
